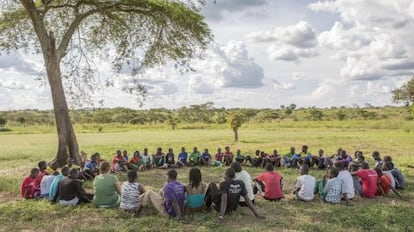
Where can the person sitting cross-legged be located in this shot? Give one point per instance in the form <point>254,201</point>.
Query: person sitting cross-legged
<point>27,188</point>
<point>195,191</point>
<point>269,184</point>
<point>170,202</point>
<point>131,191</point>
<point>71,191</point>
<point>305,185</point>
<point>106,187</point>
<point>333,189</point>
<point>225,198</point>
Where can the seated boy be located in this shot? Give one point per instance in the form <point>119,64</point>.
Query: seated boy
<point>119,163</point>
<point>158,159</point>
<point>333,188</point>
<point>182,158</point>
<point>47,181</point>
<point>398,176</point>
<point>71,191</point>
<point>219,158</point>
<point>369,180</point>
<point>171,202</point>
<point>305,185</point>
<point>169,159</point>
<point>54,186</point>
<point>27,189</point>
<point>228,156</point>
<point>225,199</point>
<point>205,158</point>
<point>91,168</point>
<point>195,157</point>
<point>270,184</point>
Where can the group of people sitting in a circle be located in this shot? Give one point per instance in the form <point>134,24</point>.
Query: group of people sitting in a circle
<point>345,178</point>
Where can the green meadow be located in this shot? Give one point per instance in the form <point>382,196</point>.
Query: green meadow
<point>23,147</point>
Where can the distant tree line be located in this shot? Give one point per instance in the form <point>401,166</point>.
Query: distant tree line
<point>203,113</point>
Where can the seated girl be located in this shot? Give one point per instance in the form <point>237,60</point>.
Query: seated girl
<point>195,191</point>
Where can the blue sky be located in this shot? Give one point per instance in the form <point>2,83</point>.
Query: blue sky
<point>265,53</point>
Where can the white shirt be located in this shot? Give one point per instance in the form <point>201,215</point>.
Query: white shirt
<point>45,184</point>
<point>347,183</point>
<point>247,180</point>
<point>388,173</point>
<point>306,183</point>
<point>130,195</point>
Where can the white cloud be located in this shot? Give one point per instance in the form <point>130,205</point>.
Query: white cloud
<point>282,85</point>
<point>289,43</point>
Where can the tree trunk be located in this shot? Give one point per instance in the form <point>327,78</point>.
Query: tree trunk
<point>236,134</point>
<point>67,144</point>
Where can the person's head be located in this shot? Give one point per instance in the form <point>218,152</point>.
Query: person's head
<point>65,171</point>
<point>321,152</point>
<point>194,177</point>
<point>183,149</point>
<point>236,166</point>
<point>170,150</point>
<point>74,173</point>
<point>125,152</point>
<point>305,148</point>
<point>274,152</point>
<point>229,174</point>
<point>238,151</point>
<point>333,172</point>
<point>364,165</point>
<point>343,154</point>
<point>159,150</point>
<point>387,166</point>
<point>42,165</point>
<point>338,152</point>
<point>269,167</point>
<point>132,176</point>
<point>257,152</point>
<point>218,150</point>
<point>376,156</point>
<point>105,167</point>
<point>172,175</point>
<point>136,154</point>
<point>95,157</point>
<point>292,150</point>
<point>145,150</point>
<point>358,155</point>
<point>195,149</point>
<point>387,158</point>
<point>118,153</point>
<point>34,172</point>
<point>262,153</point>
<point>206,150</point>
<point>304,169</point>
<point>339,165</point>
<point>227,148</point>
<point>54,165</point>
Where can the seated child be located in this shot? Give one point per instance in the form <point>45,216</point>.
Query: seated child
<point>135,162</point>
<point>225,198</point>
<point>119,163</point>
<point>369,180</point>
<point>47,181</point>
<point>398,176</point>
<point>71,191</point>
<point>158,159</point>
<point>205,158</point>
<point>333,188</point>
<point>182,158</point>
<point>219,158</point>
<point>54,186</point>
<point>130,193</point>
<point>195,191</point>
<point>195,157</point>
<point>228,156</point>
<point>27,189</point>
<point>169,159</point>
<point>305,185</point>
<point>269,184</point>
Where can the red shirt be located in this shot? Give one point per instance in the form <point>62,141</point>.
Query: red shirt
<point>134,160</point>
<point>228,154</point>
<point>385,182</point>
<point>38,180</point>
<point>115,160</point>
<point>369,179</point>
<point>28,183</point>
<point>271,181</point>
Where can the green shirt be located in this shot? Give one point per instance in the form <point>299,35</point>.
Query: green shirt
<point>195,156</point>
<point>104,186</point>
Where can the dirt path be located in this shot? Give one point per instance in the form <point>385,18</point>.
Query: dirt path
<point>6,197</point>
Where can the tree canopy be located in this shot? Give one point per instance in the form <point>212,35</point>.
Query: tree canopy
<point>405,93</point>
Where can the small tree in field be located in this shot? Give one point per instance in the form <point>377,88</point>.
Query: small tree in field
<point>236,120</point>
<point>405,94</point>
<point>132,34</point>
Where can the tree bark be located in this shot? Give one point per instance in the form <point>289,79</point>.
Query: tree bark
<point>236,134</point>
<point>67,144</point>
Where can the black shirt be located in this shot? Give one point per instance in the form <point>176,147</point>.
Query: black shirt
<point>234,190</point>
<point>70,188</point>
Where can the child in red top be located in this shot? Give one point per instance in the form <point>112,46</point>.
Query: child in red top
<point>369,179</point>
<point>384,183</point>
<point>42,172</point>
<point>271,184</point>
<point>27,189</point>
<point>119,163</point>
<point>228,156</point>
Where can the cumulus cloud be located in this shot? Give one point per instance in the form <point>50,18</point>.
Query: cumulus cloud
<point>15,62</point>
<point>282,85</point>
<point>216,11</point>
<point>369,37</point>
<point>289,43</point>
<point>12,83</point>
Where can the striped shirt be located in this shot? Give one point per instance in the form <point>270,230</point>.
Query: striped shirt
<point>333,190</point>
<point>129,195</point>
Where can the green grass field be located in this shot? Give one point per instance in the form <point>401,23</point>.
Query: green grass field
<point>21,151</point>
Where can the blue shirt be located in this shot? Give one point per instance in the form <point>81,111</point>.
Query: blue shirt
<point>54,186</point>
<point>206,155</point>
<point>183,157</point>
<point>91,165</point>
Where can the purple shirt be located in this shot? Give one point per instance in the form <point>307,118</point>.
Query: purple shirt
<point>173,190</point>
<point>219,156</point>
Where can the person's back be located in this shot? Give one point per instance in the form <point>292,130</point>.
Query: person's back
<point>173,191</point>
<point>234,189</point>
<point>106,188</point>
<point>71,191</point>
<point>195,191</point>
<point>27,188</point>
<point>347,183</point>
<point>272,181</point>
<point>54,186</point>
<point>369,179</point>
<point>385,182</point>
<point>245,177</point>
<point>45,185</point>
<point>130,192</point>
<point>306,183</point>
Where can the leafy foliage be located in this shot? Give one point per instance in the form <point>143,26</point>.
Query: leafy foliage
<point>405,93</point>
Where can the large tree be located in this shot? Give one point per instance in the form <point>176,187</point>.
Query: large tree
<point>71,34</point>
<point>405,93</point>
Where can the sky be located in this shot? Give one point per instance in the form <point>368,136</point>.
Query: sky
<point>265,53</point>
